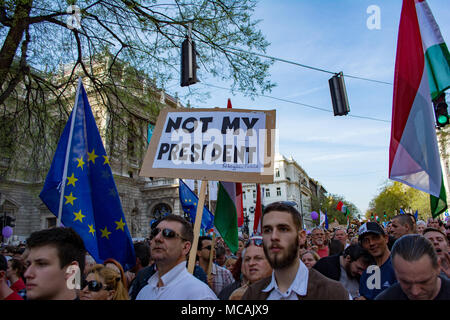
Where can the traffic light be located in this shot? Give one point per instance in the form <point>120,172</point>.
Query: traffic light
<point>10,221</point>
<point>339,95</point>
<point>441,113</point>
<point>188,62</point>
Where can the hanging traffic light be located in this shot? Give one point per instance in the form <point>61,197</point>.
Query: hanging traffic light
<point>188,62</point>
<point>339,95</point>
<point>441,113</point>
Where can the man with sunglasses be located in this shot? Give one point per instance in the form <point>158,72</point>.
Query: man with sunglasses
<point>170,242</point>
<point>220,277</point>
<point>291,280</point>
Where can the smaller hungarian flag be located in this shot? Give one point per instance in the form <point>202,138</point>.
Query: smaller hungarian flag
<point>258,211</point>
<point>342,207</point>
<point>225,216</point>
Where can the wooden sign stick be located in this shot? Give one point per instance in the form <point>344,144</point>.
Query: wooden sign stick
<point>197,225</point>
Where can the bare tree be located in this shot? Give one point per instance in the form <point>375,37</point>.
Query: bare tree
<point>47,44</point>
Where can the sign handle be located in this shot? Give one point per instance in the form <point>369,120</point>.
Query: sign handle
<point>197,225</point>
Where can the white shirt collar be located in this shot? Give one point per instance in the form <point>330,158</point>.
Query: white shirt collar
<point>169,276</point>
<point>299,285</point>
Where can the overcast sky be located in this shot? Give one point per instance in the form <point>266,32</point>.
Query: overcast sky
<point>348,155</point>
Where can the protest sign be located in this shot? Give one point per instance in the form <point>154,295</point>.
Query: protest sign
<point>212,144</point>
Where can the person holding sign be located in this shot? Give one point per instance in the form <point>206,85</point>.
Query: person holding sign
<point>170,242</point>
<point>220,277</point>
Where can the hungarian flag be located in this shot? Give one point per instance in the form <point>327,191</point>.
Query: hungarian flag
<point>422,62</point>
<point>225,216</point>
<point>342,207</point>
<point>258,211</point>
<point>239,201</point>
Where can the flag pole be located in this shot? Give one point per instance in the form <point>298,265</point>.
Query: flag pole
<point>198,222</point>
<point>66,162</point>
<point>211,256</point>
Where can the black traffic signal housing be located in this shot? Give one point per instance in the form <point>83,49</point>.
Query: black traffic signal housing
<point>10,221</point>
<point>441,113</point>
<point>188,63</point>
<point>339,95</point>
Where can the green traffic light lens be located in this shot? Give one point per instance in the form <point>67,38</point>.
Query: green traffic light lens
<point>442,119</point>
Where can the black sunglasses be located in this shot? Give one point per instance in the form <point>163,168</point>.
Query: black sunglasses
<point>207,248</point>
<point>167,233</point>
<point>94,286</point>
<point>257,242</point>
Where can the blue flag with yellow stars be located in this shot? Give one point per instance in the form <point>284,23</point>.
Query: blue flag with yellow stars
<point>80,172</point>
<point>189,202</point>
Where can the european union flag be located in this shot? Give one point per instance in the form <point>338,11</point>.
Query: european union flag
<point>189,202</point>
<point>80,187</point>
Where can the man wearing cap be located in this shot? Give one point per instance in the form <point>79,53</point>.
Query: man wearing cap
<point>381,276</point>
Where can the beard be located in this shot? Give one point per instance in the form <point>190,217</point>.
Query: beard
<point>280,261</point>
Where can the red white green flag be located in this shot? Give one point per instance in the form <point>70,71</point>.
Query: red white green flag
<point>422,63</point>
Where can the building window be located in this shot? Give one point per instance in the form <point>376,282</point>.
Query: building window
<point>277,172</point>
<point>254,194</point>
<point>278,191</point>
<point>267,192</point>
<point>50,222</point>
<point>244,195</point>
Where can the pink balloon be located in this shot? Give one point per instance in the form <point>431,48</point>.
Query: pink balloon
<point>314,215</point>
<point>7,231</point>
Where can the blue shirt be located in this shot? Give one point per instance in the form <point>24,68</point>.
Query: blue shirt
<point>376,279</point>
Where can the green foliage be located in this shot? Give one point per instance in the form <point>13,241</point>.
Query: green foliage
<point>394,196</point>
<point>329,205</point>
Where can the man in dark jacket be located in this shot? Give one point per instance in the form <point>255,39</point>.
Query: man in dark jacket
<point>346,268</point>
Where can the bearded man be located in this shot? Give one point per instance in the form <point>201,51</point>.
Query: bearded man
<point>290,280</point>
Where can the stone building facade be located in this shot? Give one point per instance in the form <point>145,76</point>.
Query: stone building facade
<point>143,199</point>
<point>291,183</point>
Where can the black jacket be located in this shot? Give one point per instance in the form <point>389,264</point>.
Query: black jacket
<point>329,266</point>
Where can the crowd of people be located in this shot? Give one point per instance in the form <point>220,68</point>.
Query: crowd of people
<point>405,260</point>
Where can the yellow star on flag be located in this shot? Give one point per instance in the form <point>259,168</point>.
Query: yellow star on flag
<point>80,163</point>
<point>72,180</point>
<point>91,229</point>
<point>92,156</point>
<point>120,225</point>
<point>105,233</point>
<point>106,160</point>
<point>69,199</point>
<point>79,216</point>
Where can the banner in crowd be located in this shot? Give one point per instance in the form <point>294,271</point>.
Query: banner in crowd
<point>212,144</point>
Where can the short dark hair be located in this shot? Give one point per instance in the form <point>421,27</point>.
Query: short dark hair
<point>142,251</point>
<point>280,206</point>
<point>200,241</point>
<point>187,232</point>
<point>69,245</point>
<point>405,219</point>
<point>412,247</point>
<point>356,251</point>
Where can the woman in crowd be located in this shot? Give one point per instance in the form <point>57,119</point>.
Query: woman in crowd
<point>309,258</point>
<point>103,283</point>
<point>116,266</point>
